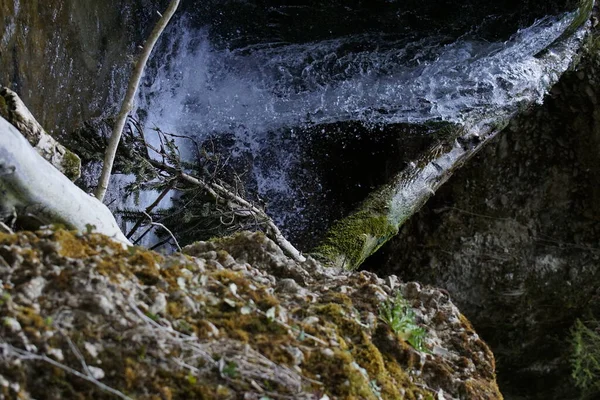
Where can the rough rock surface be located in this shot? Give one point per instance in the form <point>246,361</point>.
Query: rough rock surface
<point>84,317</point>
<point>514,237</point>
<point>67,59</point>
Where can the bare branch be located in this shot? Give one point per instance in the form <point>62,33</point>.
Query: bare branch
<point>127,105</point>
<point>151,207</point>
<point>237,202</point>
<point>165,228</point>
<point>27,355</point>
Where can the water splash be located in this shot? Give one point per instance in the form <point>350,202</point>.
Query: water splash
<point>259,94</point>
<point>375,79</point>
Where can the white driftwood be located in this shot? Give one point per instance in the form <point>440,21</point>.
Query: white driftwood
<point>127,106</point>
<point>30,185</point>
<point>55,153</point>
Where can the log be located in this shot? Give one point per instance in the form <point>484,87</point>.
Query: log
<point>31,186</point>
<point>352,239</point>
<point>14,110</point>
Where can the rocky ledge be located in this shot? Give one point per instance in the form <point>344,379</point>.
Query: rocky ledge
<point>86,317</point>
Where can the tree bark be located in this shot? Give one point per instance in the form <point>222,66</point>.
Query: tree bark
<point>30,185</point>
<point>354,238</point>
<point>14,110</point>
<point>127,105</point>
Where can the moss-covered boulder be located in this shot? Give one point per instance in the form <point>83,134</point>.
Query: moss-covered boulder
<point>84,317</point>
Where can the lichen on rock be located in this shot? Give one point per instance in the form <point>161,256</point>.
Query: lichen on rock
<point>232,318</point>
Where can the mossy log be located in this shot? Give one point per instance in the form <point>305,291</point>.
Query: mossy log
<point>15,112</point>
<point>352,239</point>
<point>31,186</point>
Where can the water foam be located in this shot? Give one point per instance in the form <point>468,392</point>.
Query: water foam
<point>255,93</point>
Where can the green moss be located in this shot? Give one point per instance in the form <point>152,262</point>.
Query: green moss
<point>584,11</point>
<point>3,108</point>
<point>351,240</point>
<point>366,372</point>
<point>71,165</point>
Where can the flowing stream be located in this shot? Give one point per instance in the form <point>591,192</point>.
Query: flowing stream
<point>263,97</point>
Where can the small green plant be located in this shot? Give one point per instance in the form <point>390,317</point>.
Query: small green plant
<point>585,359</point>
<point>399,316</point>
<point>152,316</point>
<point>230,369</point>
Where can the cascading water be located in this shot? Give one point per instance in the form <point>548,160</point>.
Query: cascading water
<point>265,97</point>
<point>367,78</point>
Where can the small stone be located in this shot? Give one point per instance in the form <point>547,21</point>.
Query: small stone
<point>104,304</point>
<point>160,304</point>
<point>12,324</point>
<point>56,353</point>
<point>230,303</point>
<point>310,320</point>
<point>97,373</point>
<point>34,288</point>
<point>271,313</point>
<point>233,288</point>
<point>91,349</point>
<point>181,282</point>
<point>327,352</point>
<point>288,286</point>
<point>245,310</point>
<point>296,354</point>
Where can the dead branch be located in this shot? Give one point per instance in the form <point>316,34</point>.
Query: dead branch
<point>25,355</point>
<point>127,105</point>
<point>30,185</point>
<point>235,202</point>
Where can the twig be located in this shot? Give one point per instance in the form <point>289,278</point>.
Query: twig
<point>127,105</point>
<point>5,228</point>
<point>217,191</point>
<point>151,207</point>
<point>79,356</point>
<point>165,228</point>
<point>27,355</point>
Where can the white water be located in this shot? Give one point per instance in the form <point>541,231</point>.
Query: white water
<point>272,86</point>
<point>255,93</point>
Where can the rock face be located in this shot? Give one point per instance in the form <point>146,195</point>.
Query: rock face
<point>308,20</point>
<point>82,317</point>
<point>69,59</point>
<point>514,237</point>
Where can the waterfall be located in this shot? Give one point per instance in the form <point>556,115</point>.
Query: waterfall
<point>264,97</point>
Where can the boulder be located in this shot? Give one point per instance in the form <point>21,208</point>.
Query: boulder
<point>83,317</point>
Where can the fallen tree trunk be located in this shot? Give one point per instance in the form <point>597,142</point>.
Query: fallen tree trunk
<point>30,185</point>
<point>354,238</point>
<point>14,110</point>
